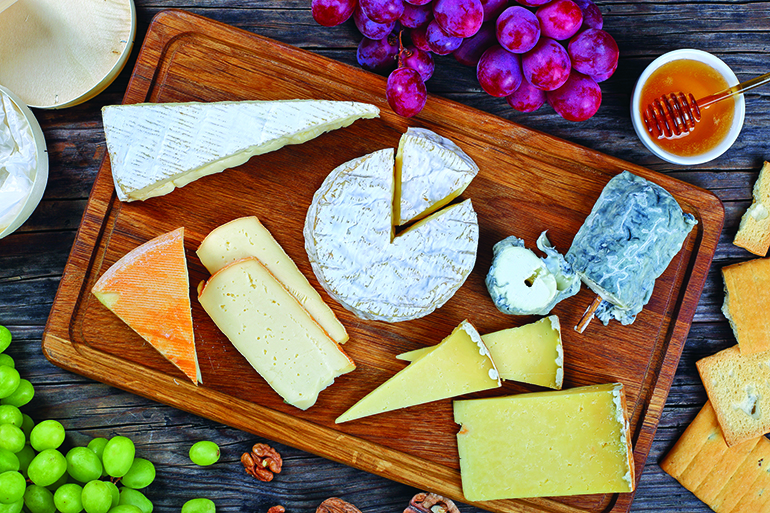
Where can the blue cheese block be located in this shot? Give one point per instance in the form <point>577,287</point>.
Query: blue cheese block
<point>631,235</point>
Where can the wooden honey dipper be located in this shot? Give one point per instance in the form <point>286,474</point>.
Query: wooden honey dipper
<point>675,114</point>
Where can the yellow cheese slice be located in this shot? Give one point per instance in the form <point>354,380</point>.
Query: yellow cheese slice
<point>545,444</point>
<point>530,354</point>
<point>460,364</point>
<point>269,327</point>
<point>247,237</point>
<point>149,290</point>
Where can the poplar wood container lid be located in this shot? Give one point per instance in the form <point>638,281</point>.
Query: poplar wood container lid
<point>57,53</point>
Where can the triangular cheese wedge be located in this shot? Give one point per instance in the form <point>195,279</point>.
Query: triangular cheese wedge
<point>459,365</point>
<point>149,290</point>
<point>156,147</point>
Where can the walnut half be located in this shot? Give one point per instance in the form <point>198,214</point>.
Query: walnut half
<point>431,503</point>
<point>335,505</point>
<point>262,462</point>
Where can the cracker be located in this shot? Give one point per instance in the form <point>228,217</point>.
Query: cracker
<point>747,294</point>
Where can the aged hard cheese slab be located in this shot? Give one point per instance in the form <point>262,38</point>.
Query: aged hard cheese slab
<point>545,444</point>
<point>273,332</point>
<point>156,147</point>
<point>531,353</point>
<point>149,290</point>
<point>247,237</point>
<point>460,364</point>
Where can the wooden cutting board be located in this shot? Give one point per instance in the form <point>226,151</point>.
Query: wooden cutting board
<point>529,182</point>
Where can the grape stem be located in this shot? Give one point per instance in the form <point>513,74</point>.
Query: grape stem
<point>401,49</point>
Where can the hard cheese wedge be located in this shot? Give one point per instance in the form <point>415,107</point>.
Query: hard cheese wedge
<point>545,444</point>
<point>460,364</point>
<point>247,237</point>
<point>530,354</point>
<point>156,147</point>
<point>269,327</point>
<point>149,290</point>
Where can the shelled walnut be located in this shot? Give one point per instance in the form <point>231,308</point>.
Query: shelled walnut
<point>262,462</point>
<point>335,505</point>
<point>431,503</point>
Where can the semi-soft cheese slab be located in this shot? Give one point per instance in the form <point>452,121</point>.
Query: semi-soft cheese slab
<point>247,237</point>
<point>156,147</point>
<point>149,290</point>
<point>545,444</point>
<point>530,354</point>
<point>272,330</point>
<point>460,364</point>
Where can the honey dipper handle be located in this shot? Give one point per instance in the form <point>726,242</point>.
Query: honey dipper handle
<point>732,91</point>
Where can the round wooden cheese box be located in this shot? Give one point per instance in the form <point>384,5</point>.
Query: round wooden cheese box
<point>57,53</point>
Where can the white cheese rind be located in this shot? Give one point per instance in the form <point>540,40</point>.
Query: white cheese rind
<point>348,233</point>
<point>431,171</point>
<point>269,327</point>
<point>156,147</point>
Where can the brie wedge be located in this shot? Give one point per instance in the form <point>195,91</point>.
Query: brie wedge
<point>156,147</point>
<point>350,243</point>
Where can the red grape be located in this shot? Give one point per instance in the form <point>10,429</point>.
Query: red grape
<point>605,76</point>
<point>518,29</point>
<point>369,28</point>
<point>459,18</point>
<point>330,13</point>
<point>417,2</point>
<point>439,42</point>
<point>533,3</point>
<point>419,38</point>
<point>471,48</point>
<point>382,11</point>
<point>560,19</point>
<point>418,60</point>
<point>406,92</point>
<point>378,55</point>
<point>526,98</point>
<point>493,8</point>
<point>593,52</point>
<point>578,99</point>
<point>499,71</point>
<point>592,16</point>
<point>547,65</point>
<point>416,16</point>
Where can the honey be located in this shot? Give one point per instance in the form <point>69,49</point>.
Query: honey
<point>700,79</point>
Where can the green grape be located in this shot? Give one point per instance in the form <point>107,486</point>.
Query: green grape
<point>67,498</point>
<point>118,456</point>
<point>59,482</point>
<point>47,467</point>
<point>39,500</point>
<point>12,485</point>
<point>125,508</point>
<point>96,497</point>
<point>11,438</point>
<point>204,453</point>
<point>9,381</point>
<point>49,434</point>
<point>134,497</point>
<point>10,414</point>
<point>26,424</point>
<point>5,338</point>
<point>199,505</point>
<point>114,493</point>
<point>14,507</point>
<point>25,455</point>
<point>5,359</point>
<point>8,461</point>
<point>83,465</point>
<point>140,475</point>
<point>23,394</point>
<point>97,446</point>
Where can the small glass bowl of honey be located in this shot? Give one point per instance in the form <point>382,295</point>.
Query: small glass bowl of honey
<point>699,73</point>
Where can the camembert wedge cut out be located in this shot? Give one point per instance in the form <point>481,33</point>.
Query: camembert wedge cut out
<point>460,364</point>
<point>149,290</point>
<point>247,237</point>
<point>272,330</point>
<point>156,147</point>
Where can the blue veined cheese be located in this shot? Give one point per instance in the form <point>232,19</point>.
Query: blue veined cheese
<point>350,242</point>
<point>521,283</point>
<point>633,232</point>
<point>431,171</point>
<point>156,147</point>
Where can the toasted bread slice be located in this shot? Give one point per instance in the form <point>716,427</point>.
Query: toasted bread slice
<point>747,293</point>
<point>754,230</point>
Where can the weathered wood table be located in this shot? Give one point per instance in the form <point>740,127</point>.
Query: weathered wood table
<point>32,260</point>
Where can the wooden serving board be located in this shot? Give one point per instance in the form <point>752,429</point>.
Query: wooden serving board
<point>529,182</point>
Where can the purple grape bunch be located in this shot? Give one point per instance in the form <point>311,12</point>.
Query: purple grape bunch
<point>530,52</point>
